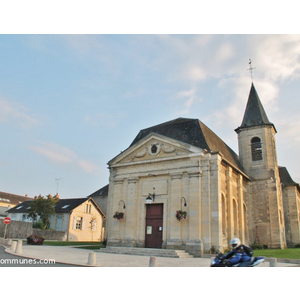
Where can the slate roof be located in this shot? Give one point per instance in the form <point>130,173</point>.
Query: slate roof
<point>255,114</point>
<point>193,132</point>
<point>286,178</point>
<point>67,205</point>
<point>101,192</point>
<point>62,206</point>
<point>12,199</point>
<point>21,208</point>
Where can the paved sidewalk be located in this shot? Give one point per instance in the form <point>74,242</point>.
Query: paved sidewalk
<point>71,255</point>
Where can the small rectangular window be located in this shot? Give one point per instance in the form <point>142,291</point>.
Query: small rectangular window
<point>88,208</point>
<point>79,223</point>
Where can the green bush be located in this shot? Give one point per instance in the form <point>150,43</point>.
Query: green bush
<point>39,225</point>
<point>257,247</point>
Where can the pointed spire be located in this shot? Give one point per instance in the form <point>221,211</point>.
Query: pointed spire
<point>254,114</point>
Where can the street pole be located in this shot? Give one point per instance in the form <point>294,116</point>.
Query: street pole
<point>5,230</point>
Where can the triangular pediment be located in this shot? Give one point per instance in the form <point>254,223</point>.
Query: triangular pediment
<point>155,147</point>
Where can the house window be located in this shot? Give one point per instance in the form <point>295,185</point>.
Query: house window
<point>88,208</point>
<point>256,149</point>
<point>78,223</point>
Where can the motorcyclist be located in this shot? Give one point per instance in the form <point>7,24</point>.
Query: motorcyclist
<point>239,254</point>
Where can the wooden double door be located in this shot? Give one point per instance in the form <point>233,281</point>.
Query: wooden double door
<point>154,225</point>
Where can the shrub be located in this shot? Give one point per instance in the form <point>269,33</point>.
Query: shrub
<point>213,250</point>
<point>257,247</point>
<point>39,225</point>
<point>35,240</point>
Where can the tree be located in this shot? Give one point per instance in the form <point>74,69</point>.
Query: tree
<point>43,207</point>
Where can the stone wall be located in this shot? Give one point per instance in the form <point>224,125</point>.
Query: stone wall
<point>16,229</point>
<point>50,234</point>
<point>21,230</point>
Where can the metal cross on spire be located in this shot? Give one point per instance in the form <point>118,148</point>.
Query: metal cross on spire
<point>251,69</point>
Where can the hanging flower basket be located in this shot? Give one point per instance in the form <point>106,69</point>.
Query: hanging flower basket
<point>180,214</point>
<point>118,215</point>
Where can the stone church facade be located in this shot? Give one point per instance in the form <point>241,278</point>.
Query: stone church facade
<point>182,165</point>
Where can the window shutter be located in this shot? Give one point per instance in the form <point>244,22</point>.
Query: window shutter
<point>83,224</point>
<point>74,222</point>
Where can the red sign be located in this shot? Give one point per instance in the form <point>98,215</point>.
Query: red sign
<point>6,220</point>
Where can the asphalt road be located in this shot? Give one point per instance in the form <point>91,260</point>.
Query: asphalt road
<point>8,260</point>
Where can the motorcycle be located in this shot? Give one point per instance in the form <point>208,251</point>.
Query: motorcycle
<point>218,261</point>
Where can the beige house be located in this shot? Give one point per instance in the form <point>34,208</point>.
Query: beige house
<point>80,218</point>
<point>8,201</point>
<point>181,165</point>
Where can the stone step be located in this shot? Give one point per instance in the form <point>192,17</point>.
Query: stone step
<point>146,252</point>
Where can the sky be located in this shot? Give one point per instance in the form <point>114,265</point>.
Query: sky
<point>70,103</point>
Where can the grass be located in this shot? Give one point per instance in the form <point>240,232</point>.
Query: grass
<point>290,253</point>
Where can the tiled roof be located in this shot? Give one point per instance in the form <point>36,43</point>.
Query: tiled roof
<point>12,199</point>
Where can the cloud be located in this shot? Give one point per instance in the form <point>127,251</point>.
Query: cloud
<point>187,99</point>
<point>63,155</point>
<point>195,73</point>
<point>15,113</point>
<point>278,56</point>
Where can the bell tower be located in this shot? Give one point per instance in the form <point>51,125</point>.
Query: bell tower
<point>257,154</point>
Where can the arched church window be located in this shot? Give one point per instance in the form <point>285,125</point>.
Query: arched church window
<point>256,149</point>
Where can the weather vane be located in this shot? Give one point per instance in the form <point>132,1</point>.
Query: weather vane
<point>251,69</point>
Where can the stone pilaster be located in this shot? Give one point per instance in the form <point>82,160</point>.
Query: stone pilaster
<point>131,217</point>
<point>194,243</point>
<point>115,232</point>
<point>174,241</point>
<point>241,209</point>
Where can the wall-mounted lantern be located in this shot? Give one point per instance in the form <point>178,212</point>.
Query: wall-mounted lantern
<point>183,199</point>
<point>151,197</point>
<point>123,204</point>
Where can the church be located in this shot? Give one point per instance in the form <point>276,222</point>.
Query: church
<point>179,186</point>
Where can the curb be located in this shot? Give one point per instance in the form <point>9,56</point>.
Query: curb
<point>31,257</point>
